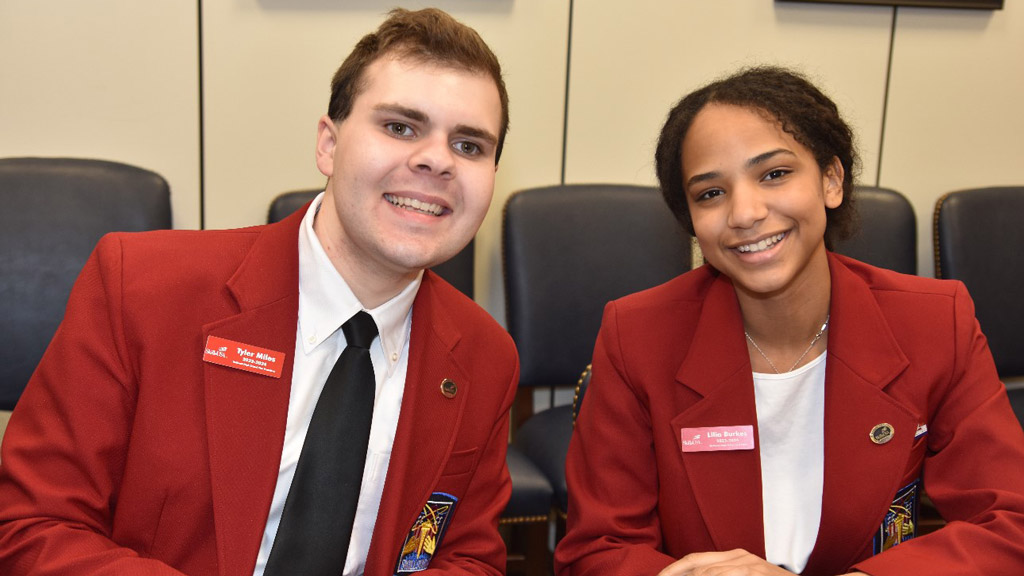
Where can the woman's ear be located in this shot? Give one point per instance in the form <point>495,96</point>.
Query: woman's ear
<point>832,183</point>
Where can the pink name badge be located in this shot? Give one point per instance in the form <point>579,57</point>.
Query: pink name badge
<point>243,357</point>
<point>715,438</point>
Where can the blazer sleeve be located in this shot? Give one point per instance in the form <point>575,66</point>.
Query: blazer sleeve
<point>64,451</point>
<point>613,526</point>
<point>472,545</point>
<point>972,470</point>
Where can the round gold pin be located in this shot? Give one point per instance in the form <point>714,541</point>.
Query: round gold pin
<point>448,388</point>
<point>882,433</point>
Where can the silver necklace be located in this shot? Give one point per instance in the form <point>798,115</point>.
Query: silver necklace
<point>795,364</point>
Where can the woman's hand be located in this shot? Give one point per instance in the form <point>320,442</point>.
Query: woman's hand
<point>731,563</point>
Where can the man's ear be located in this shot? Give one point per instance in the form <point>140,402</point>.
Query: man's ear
<point>832,183</point>
<point>326,140</point>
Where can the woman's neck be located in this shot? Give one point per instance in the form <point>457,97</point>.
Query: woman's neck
<point>781,327</point>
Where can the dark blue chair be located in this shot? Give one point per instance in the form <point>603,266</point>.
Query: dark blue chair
<point>888,231</point>
<point>978,234</point>
<point>54,212</point>
<point>567,251</point>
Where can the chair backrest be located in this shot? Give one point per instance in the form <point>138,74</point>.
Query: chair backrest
<point>458,271</point>
<point>52,213</point>
<point>978,235</point>
<point>888,231</point>
<point>567,251</point>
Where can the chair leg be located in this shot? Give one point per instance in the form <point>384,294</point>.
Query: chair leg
<point>528,551</point>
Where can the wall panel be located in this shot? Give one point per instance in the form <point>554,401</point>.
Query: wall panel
<point>631,61</point>
<point>110,79</point>
<point>955,118</point>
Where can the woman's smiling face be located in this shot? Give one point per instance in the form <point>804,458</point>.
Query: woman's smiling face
<point>757,199</point>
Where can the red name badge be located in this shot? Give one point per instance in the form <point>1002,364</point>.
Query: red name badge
<point>716,438</point>
<point>243,356</point>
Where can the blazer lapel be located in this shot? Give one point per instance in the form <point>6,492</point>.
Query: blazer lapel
<point>245,412</point>
<point>726,484</point>
<point>861,476</point>
<point>426,427</point>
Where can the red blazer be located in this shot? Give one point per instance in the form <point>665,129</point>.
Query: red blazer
<point>128,454</point>
<point>901,350</point>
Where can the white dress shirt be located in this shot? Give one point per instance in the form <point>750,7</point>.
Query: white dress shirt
<point>791,431</point>
<point>325,303</point>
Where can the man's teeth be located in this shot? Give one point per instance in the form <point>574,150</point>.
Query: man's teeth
<point>762,245</point>
<point>414,205</point>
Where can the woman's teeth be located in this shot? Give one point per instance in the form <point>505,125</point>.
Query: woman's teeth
<point>762,245</point>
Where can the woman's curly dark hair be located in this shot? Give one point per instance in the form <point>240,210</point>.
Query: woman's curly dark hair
<point>801,109</point>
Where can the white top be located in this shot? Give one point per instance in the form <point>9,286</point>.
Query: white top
<point>791,430</point>
<point>325,303</point>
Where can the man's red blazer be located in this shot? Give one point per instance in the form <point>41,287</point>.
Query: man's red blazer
<point>128,454</point>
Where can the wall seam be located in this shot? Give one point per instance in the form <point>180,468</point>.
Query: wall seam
<point>202,118</point>
<point>565,109</point>
<point>885,99</point>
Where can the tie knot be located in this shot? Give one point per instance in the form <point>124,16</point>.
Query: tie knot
<point>360,330</point>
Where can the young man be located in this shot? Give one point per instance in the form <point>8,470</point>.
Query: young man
<point>167,427</point>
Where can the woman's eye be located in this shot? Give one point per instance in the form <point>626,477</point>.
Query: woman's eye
<point>399,129</point>
<point>709,194</point>
<point>776,174</point>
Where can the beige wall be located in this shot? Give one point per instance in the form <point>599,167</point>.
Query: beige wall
<point>956,108</point>
<point>633,60</point>
<point>110,79</point>
<point>118,79</point>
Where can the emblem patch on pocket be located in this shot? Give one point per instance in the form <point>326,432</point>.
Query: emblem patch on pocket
<point>900,522</point>
<point>424,537</point>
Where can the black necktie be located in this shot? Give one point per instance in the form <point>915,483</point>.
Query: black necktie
<point>316,524</point>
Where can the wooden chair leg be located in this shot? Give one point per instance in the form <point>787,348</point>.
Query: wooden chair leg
<point>528,551</point>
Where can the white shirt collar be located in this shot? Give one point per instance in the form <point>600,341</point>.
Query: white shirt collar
<point>326,301</point>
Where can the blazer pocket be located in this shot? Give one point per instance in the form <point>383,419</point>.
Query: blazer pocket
<point>458,471</point>
<point>459,462</point>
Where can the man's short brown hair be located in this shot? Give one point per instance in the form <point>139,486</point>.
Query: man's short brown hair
<point>430,36</point>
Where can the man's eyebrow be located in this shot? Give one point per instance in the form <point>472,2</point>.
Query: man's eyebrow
<point>410,113</point>
<point>478,133</point>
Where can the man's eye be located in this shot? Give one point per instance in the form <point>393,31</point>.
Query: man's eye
<point>399,129</point>
<point>467,148</point>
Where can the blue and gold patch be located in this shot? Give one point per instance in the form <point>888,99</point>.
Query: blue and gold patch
<point>424,537</point>
<point>900,522</point>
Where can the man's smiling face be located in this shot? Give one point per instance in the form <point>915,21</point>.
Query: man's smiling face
<point>410,170</point>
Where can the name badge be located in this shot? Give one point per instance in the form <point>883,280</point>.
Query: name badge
<point>243,357</point>
<point>718,438</point>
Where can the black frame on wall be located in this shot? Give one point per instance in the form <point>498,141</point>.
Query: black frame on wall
<point>970,4</point>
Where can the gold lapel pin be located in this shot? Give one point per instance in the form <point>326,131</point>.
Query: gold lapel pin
<point>449,388</point>
<point>882,433</point>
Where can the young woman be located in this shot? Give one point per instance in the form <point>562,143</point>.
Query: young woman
<point>782,408</point>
